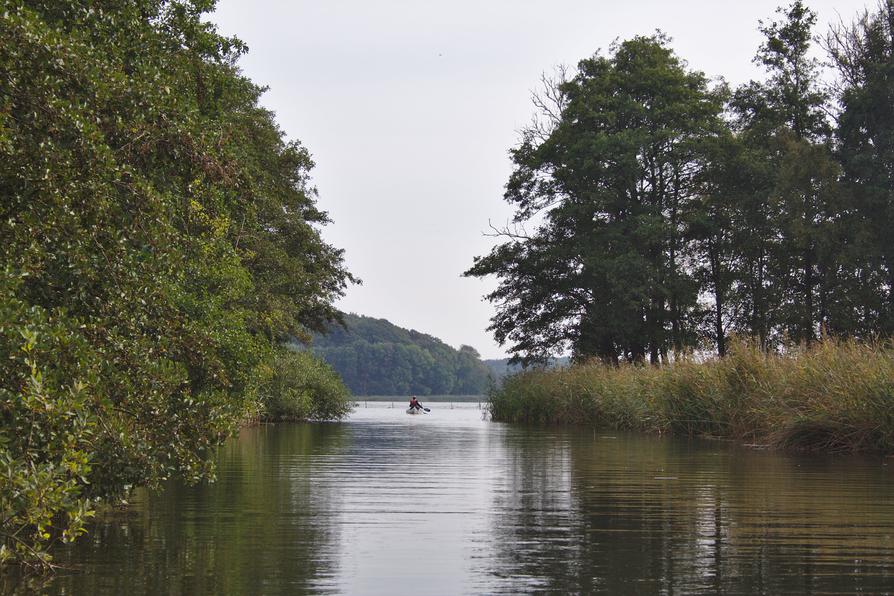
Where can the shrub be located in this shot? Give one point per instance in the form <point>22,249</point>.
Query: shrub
<point>46,430</point>
<point>303,387</point>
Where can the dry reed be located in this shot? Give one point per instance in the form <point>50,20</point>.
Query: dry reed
<point>837,396</point>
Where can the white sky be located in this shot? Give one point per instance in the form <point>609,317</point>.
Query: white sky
<point>409,108</point>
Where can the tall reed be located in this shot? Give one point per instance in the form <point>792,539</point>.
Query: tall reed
<point>836,396</point>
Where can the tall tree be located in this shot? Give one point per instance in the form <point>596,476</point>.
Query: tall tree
<point>864,56</point>
<point>710,219</point>
<point>786,269</point>
<point>606,184</point>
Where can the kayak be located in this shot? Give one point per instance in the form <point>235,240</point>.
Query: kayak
<point>413,411</point>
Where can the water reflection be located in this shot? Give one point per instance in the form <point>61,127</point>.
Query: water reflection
<point>652,515</point>
<point>452,504</point>
<point>531,542</point>
<point>264,522</point>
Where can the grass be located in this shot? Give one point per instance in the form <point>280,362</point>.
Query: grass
<point>835,397</point>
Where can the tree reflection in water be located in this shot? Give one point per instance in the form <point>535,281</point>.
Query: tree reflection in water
<point>448,504</point>
<point>261,522</point>
<point>615,513</point>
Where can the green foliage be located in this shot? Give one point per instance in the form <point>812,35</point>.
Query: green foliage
<point>303,387</point>
<point>612,176</point>
<point>668,216</point>
<point>837,396</point>
<point>375,357</point>
<point>791,274</point>
<point>47,428</point>
<point>583,394</point>
<point>864,56</point>
<point>159,238</point>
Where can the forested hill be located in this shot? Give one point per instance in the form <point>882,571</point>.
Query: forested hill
<point>501,367</point>
<point>376,357</point>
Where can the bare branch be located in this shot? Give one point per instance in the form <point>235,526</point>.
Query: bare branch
<point>517,232</point>
<point>550,101</point>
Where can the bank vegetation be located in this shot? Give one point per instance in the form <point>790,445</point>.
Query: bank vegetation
<point>834,397</point>
<point>160,241</point>
<point>661,212</point>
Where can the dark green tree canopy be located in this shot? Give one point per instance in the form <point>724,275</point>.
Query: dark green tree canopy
<point>792,95</point>
<point>863,54</point>
<point>606,185</point>
<point>656,215</point>
<point>788,275</point>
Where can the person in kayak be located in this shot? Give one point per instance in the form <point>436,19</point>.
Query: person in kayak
<point>414,403</point>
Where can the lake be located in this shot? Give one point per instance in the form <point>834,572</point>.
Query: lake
<point>451,503</point>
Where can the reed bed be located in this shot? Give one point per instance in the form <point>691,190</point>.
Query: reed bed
<point>837,396</point>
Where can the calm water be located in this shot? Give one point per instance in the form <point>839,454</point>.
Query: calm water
<point>448,503</point>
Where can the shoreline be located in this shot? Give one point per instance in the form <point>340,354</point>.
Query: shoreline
<point>835,397</point>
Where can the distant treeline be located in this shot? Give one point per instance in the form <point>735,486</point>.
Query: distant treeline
<point>503,367</point>
<point>376,357</point>
<point>658,213</point>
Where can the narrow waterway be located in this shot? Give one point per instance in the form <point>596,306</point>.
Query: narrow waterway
<point>450,503</point>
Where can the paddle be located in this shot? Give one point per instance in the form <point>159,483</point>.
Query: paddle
<point>421,407</point>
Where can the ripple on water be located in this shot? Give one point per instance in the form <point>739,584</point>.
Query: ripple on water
<point>449,503</point>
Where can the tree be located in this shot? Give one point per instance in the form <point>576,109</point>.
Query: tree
<point>710,220</point>
<point>786,269</point>
<point>607,184</point>
<point>159,236</point>
<point>376,357</point>
<point>864,56</point>
<point>472,376</point>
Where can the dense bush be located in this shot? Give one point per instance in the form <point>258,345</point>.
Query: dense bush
<point>159,240</point>
<point>303,387</point>
<point>835,396</point>
<point>48,427</point>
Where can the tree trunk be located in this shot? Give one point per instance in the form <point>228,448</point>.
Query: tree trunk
<point>760,306</point>
<point>719,333</point>
<point>809,284</point>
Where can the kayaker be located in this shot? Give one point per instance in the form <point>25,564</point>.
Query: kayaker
<point>414,403</point>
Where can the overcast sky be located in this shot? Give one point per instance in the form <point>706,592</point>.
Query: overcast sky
<point>409,108</point>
